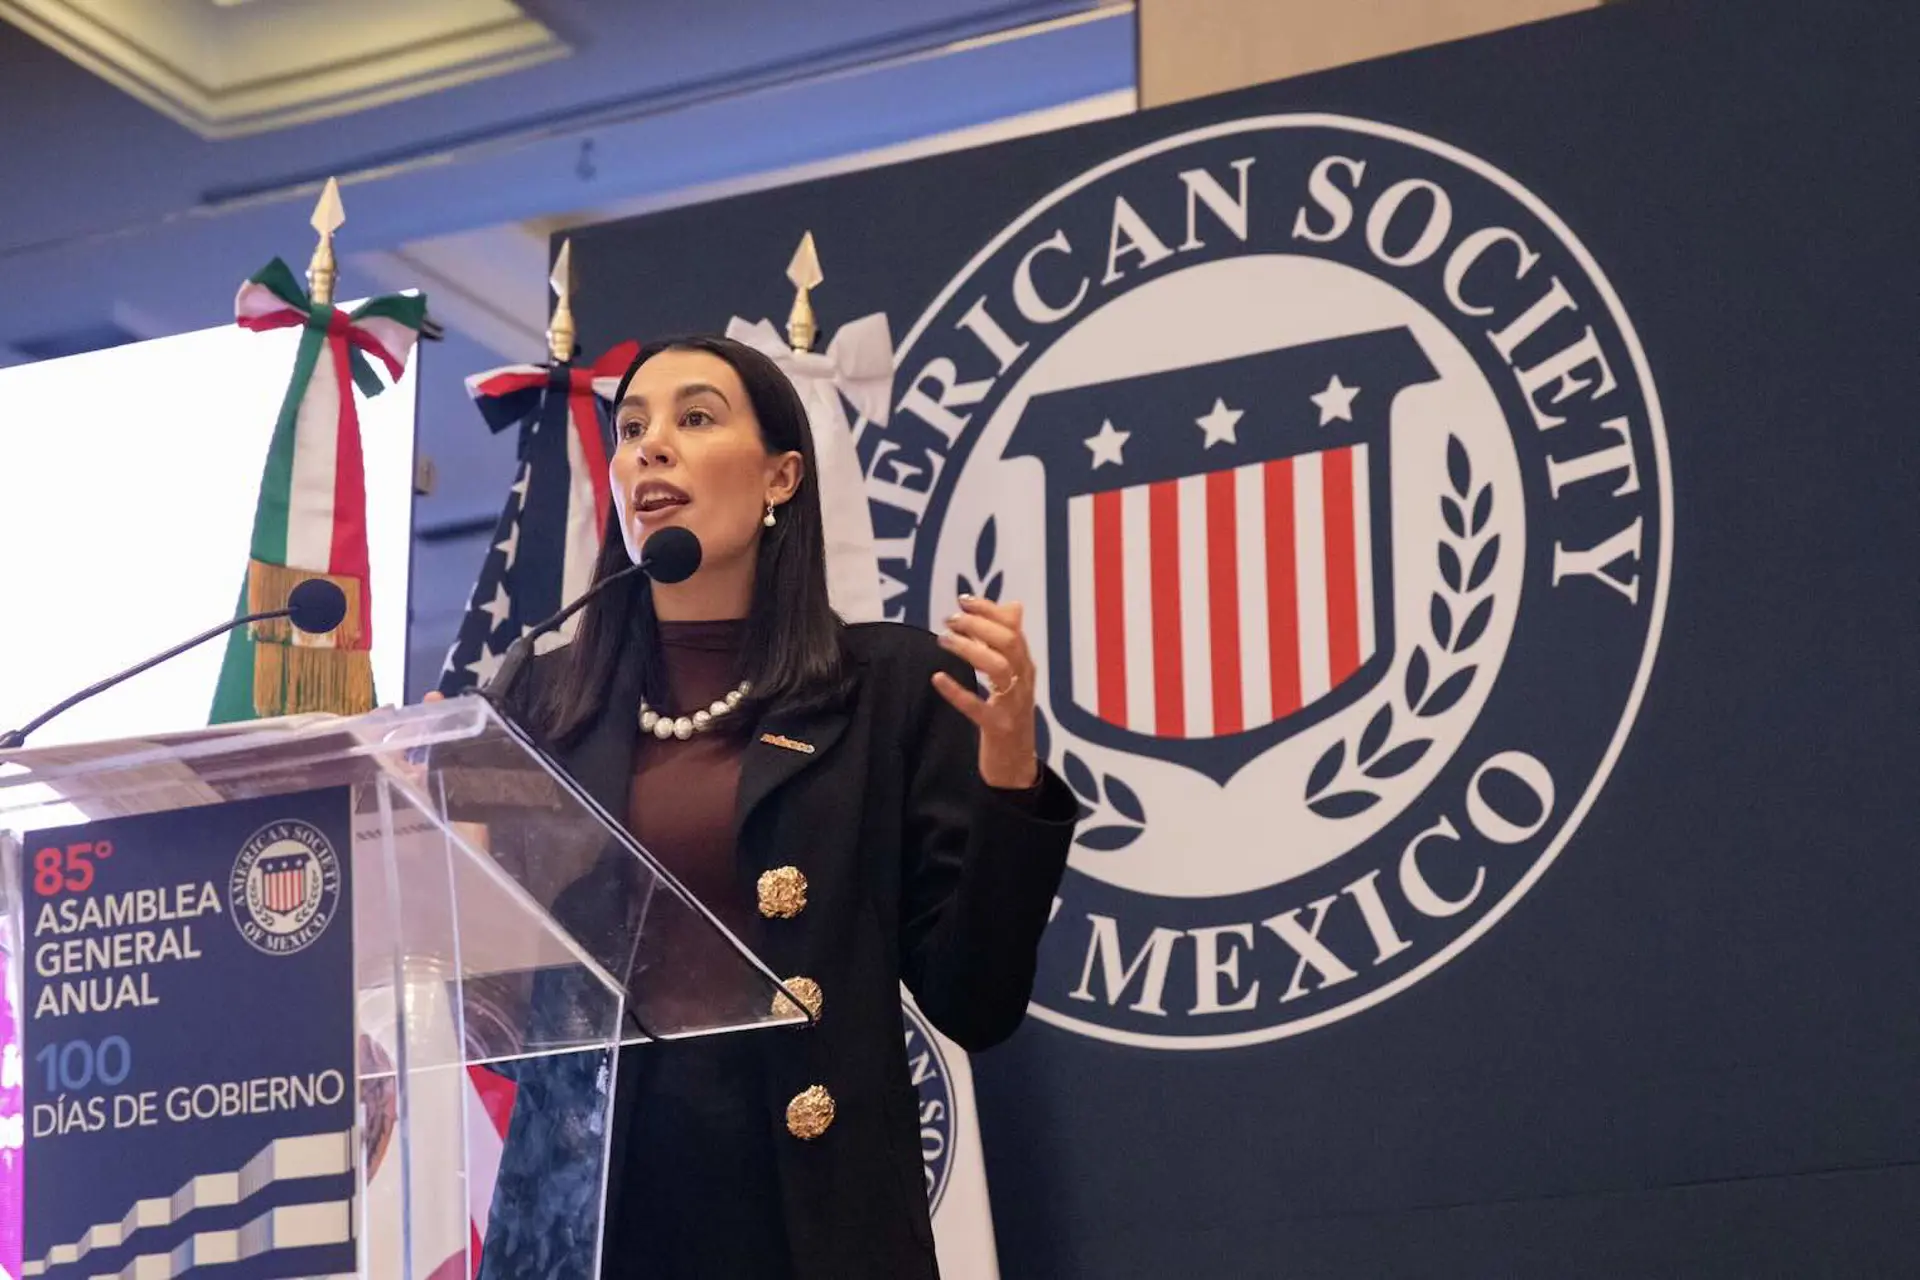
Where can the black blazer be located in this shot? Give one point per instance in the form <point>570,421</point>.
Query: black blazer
<point>915,871</point>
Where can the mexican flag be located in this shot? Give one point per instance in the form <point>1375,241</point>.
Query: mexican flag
<point>311,519</point>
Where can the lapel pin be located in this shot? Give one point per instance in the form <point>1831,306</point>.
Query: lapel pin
<point>789,744</point>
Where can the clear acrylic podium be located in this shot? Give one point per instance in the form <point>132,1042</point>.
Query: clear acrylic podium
<point>501,918</point>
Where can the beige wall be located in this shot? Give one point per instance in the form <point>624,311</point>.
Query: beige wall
<point>1193,47</point>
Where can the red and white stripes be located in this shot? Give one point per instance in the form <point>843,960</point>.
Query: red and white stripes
<point>284,887</point>
<point>489,1105</point>
<point>1216,603</point>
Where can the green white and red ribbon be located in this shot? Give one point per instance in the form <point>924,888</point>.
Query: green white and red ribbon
<point>311,517</point>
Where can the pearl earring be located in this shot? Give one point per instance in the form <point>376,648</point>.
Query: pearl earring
<point>767,519</point>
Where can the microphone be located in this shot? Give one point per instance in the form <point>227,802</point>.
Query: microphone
<point>315,606</point>
<point>669,555</point>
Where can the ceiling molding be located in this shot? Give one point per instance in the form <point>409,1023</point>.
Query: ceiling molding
<point>1105,106</point>
<point>748,83</point>
<point>489,284</point>
<point>229,70</point>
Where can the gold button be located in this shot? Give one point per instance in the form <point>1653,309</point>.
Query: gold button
<point>783,893</point>
<point>806,991</point>
<point>810,1113</point>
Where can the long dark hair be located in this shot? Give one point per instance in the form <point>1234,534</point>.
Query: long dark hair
<point>792,643</point>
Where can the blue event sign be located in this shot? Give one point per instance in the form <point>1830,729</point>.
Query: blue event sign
<point>189,1042</point>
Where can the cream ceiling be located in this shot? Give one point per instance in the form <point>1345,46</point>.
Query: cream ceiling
<point>227,68</point>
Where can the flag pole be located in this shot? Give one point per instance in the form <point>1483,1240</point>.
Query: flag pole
<point>329,215</point>
<point>804,271</point>
<point>560,329</point>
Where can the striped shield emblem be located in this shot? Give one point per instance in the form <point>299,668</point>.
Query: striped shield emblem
<point>283,882</point>
<point>1219,545</point>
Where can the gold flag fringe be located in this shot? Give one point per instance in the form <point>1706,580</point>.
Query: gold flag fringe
<point>269,585</point>
<point>294,672</point>
<point>292,679</point>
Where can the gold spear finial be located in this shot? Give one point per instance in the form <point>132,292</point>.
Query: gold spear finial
<point>328,216</point>
<point>560,331</point>
<point>804,271</point>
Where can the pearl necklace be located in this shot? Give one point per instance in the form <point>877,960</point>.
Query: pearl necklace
<point>684,727</point>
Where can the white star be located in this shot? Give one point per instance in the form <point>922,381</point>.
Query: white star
<point>510,544</point>
<point>1219,423</point>
<point>485,665</point>
<point>1336,401</point>
<point>1106,445</point>
<point>520,485</point>
<point>500,606</point>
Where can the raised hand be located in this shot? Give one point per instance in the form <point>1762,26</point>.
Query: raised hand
<point>987,636</point>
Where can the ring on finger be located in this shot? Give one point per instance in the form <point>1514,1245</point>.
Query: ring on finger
<point>1001,690</point>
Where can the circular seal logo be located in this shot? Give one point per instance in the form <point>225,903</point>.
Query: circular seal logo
<point>285,887</point>
<point>934,1084</point>
<point>1334,477</point>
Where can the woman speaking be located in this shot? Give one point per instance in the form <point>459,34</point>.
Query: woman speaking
<point>919,839</point>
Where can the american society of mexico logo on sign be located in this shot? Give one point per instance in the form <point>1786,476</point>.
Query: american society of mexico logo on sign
<point>285,887</point>
<point>1334,477</point>
<point>933,1092</point>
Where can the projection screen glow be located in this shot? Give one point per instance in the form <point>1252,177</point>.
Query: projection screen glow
<point>127,487</point>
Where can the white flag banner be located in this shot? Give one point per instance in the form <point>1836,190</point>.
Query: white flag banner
<point>858,366</point>
<point>950,1151</point>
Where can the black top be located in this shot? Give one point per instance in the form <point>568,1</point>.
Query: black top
<point>916,872</point>
<point>698,1189</point>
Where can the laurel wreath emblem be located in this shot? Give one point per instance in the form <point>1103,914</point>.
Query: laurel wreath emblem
<point>1457,617</point>
<point>1123,817</point>
<point>987,579</point>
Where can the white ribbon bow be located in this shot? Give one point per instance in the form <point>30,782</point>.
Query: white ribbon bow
<point>857,364</point>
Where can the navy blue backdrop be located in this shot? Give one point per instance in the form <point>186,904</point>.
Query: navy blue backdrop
<point>1691,1048</point>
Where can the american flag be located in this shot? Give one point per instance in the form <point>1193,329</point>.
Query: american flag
<point>548,533</point>
<point>544,546</point>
